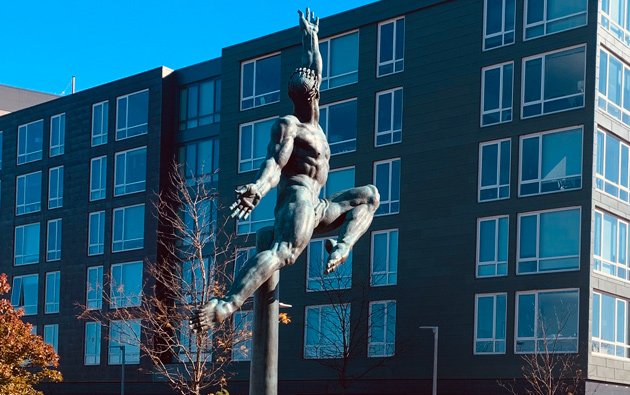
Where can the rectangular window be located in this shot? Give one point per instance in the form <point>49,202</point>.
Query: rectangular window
<point>391,47</point>
<point>611,165</point>
<point>94,288</point>
<point>327,331</point>
<point>490,319</point>
<point>615,17</point>
<point>614,87</point>
<point>263,215</point>
<point>92,353</point>
<point>242,256</point>
<point>382,329</point>
<point>188,347</point>
<point>243,324</point>
<point>497,87</point>
<point>610,245</point>
<point>26,247</point>
<point>494,170</point>
<point>195,280</point>
<point>384,262</point>
<point>53,240</point>
<point>55,187</point>
<point>96,233</point>
<point>199,220</point>
<point>24,293</point>
<point>492,246</point>
<point>553,82</point>
<point>130,171</point>
<point>100,115</point>
<point>200,104</point>
<point>544,17</point>
<point>498,26</point>
<point>51,336</point>
<point>316,280</point>
<point>387,181</point>
<point>389,115</point>
<point>610,325</point>
<point>30,142</point>
<point>254,139</point>
<point>547,321</point>
<point>28,193</point>
<point>124,337</point>
<point>338,180</point>
<point>551,162</point>
<point>57,134</point>
<point>132,115</point>
<point>340,58</point>
<point>98,178</point>
<point>199,161</point>
<point>549,241</point>
<point>52,292</point>
<point>128,228</point>
<point>260,81</point>
<point>126,287</point>
<point>339,122</point>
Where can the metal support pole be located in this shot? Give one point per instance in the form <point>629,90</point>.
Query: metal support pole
<point>263,374</point>
<point>122,371</point>
<point>435,330</point>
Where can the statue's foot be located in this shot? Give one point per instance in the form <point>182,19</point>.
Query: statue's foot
<point>339,253</point>
<point>215,311</point>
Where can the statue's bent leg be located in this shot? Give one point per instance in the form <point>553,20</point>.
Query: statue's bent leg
<point>351,211</point>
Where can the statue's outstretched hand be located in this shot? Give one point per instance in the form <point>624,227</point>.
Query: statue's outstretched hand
<point>309,23</point>
<point>247,198</point>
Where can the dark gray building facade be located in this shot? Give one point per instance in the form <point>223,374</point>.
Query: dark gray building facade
<point>497,132</point>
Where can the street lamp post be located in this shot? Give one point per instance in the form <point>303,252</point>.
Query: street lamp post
<point>435,355</point>
<point>122,370</point>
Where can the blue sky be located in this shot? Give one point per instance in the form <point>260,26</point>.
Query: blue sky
<point>46,42</point>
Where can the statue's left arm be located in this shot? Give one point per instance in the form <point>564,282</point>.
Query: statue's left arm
<point>311,58</point>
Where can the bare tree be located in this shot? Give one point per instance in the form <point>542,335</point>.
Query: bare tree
<point>550,369</point>
<point>196,256</point>
<point>339,342</point>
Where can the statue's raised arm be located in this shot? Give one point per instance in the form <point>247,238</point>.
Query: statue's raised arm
<point>311,58</point>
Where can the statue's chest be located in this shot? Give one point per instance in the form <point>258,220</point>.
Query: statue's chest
<point>313,143</point>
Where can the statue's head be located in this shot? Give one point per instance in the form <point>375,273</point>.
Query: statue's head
<point>303,86</point>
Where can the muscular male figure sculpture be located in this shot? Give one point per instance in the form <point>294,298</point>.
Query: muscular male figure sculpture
<point>297,163</point>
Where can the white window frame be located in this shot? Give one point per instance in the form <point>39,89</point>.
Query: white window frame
<point>24,205</point>
<point>92,357</point>
<point>125,129</point>
<point>15,252</point>
<point>392,130</point>
<point>598,341</point>
<point>500,110</point>
<point>497,238</point>
<point>546,21</point>
<point>393,62</point>
<point>324,192</point>
<point>498,185</point>
<point>494,339</point>
<point>55,197</point>
<point>388,272</point>
<point>242,347</point>
<point>541,101</point>
<point>57,149</point>
<point>390,338</point>
<point>537,258</point>
<point>327,282</point>
<point>325,127</point>
<point>254,61</point>
<point>553,337</point>
<point>540,180</point>
<point>120,299</point>
<point>95,303</point>
<point>21,296</point>
<point>503,31</point>
<point>619,32</point>
<point>124,184</point>
<point>23,158</point>
<point>600,180</point>
<point>325,82</point>
<point>101,166</point>
<point>100,245</point>
<point>240,141</point>
<point>606,105</point>
<point>53,250</point>
<point>101,137</point>
<point>390,201</point>
<point>52,306</point>
<point>598,260</point>
<point>124,241</point>
<point>51,335</point>
<point>316,349</point>
<point>134,337</point>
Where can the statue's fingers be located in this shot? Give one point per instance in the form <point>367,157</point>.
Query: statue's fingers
<point>300,13</point>
<point>247,213</point>
<point>317,21</point>
<point>241,214</point>
<point>308,14</point>
<point>233,206</point>
<point>313,16</point>
<point>235,213</point>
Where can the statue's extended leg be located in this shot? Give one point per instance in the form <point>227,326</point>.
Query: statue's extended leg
<point>356,207</point>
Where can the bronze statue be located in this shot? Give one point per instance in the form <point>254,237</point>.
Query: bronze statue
<point>297,163</point>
